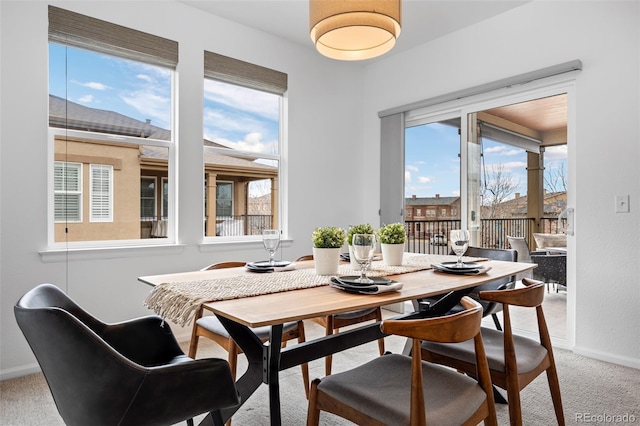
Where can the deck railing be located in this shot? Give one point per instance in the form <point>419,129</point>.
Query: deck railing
<point>431,236</point>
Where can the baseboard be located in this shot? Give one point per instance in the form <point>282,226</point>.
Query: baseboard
<point>607,357</point>
<point>24,370</point>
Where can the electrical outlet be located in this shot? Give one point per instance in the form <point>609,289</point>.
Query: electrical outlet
<point>622,204</point>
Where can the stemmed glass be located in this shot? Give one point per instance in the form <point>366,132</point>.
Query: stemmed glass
<point>459,239</point>
<point>363,246</point>
<point>271,241</point>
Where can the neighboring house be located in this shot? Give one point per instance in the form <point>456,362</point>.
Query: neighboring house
<point>135,178</point>
<point>430,209</point>
<point>554,204</point>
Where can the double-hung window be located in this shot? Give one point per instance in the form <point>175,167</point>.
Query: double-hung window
<point>111,138</point>
<point>243,118</point>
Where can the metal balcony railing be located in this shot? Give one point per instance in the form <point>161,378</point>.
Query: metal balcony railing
<point>431,236</point>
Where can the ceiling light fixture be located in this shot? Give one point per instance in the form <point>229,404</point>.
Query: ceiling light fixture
<point>352,30</point>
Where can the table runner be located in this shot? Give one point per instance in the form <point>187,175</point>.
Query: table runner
<point>179,301</point>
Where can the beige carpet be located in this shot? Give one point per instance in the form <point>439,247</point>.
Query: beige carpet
<point>589,388</point>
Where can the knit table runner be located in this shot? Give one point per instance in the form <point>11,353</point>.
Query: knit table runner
<point>179,301</point>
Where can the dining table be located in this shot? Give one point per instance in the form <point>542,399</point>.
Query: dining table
<point>300,295</point>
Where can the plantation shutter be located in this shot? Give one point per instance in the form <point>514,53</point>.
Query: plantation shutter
<point>67,192</point>
<point>101,194</point>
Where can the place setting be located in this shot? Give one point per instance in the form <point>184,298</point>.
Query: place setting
<point>363,246</point>
<point>459,239</point>
<point>271,242</point>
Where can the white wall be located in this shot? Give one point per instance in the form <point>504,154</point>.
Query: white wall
<point>323,135</point>
<point>603,161</point>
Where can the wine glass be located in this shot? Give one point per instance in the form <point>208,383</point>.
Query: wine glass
<point>271,241</point>
<point>363,246</point>
<point>459,239</point>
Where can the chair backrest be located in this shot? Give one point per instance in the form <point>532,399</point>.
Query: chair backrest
<point>507,255</point>
<point>305,257</point>
<point>453,328</point>
<point>531,296</point>
<point>223,265</point>
<point>80,368</point>
<point>520,245</point>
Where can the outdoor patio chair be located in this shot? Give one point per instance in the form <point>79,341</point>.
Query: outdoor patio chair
<point>552,268</point>
<point>520,245</point>
<point>127,373</point>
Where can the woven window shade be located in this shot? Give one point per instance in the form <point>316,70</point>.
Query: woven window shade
<point>73,29</point>
<point>244,74</point>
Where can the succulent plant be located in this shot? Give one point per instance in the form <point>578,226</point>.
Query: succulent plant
<point>393,233</point>
<point>328,237</point>
<point>363,228</point>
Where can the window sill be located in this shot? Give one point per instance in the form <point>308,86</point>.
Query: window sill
<point>214,245</point>
<point>62,255</point>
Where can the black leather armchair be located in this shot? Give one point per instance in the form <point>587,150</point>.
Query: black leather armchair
<point>127,373</point>
<point>552,268</point>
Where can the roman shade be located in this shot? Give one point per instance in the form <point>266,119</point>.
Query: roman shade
<point>244,74</point>
<point>77,30</point>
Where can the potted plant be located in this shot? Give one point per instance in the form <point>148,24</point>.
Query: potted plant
<point>363,228</point>
<point>392,239</point>
<point>326,249</point>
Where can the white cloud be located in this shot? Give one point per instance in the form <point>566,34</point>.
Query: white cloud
<point>424,179</point>
<point>152,106</point>
<point>254,101</point>
<point>412,168</point>
<point>86,99</point>
<point>407,176</point>
<point>95,86</point>
<point>145,77</point>
<point>252,143</point>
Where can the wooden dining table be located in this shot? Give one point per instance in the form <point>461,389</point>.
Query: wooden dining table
<point>266,360</point>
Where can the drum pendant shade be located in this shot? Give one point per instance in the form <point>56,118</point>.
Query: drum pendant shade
<point>352,30</point>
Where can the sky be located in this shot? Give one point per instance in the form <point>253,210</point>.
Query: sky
<point>432,165</point>
<point>236,117</point>
<point>247,119</point>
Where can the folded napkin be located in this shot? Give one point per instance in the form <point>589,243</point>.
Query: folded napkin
<point>365,289</point>
<point>289,267</point>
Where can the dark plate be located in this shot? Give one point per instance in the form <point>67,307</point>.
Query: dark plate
<point>354,289</point>
<point>266,264</point>
<point>351,280</point>
<point>255,269</point>
<point>465,266</point>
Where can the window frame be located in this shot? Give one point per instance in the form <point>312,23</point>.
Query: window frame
<point>155,200</point>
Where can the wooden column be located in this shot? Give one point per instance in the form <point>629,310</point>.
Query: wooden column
<point>535,187</point>
<point>211,205</point>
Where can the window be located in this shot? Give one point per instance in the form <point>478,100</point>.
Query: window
<point>68,192</point>
<point>147,198</point>
<point>224,199</point>
<point>101,207</point>
<point>111,110</point>
<point>443,212</point>
<point>431,212</point>
<point>243,106</point>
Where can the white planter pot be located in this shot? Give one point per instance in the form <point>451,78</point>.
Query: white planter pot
<point>392,254</point>
<point>326,260</point>
<point>354,265</point>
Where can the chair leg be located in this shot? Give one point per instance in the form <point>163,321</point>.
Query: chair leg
<point>189,422</point>
<point>304,367</point>
<point>513,397</point>
<point>496,321</point>
<point>380,341</point>
<point>193,344</point>
<point>554,387</point>
<point>328,360</point>
<point>313,414</point>
<point>233,357</point>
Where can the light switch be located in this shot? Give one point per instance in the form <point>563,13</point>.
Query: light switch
<point>622,204</point>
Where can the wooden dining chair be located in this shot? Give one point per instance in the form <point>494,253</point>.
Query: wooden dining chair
<point>209,326</point>
<point>397,389</point>
<point>333,323</point>
<point>514,361</point>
